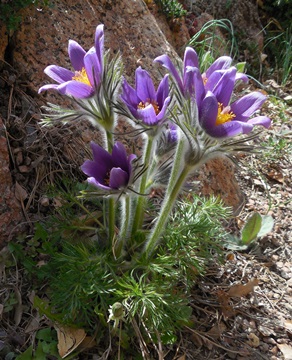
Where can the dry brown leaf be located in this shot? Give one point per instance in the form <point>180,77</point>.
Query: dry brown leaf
<point>227,309</point>
<point>69,339</point>
<point>216,331</point>
<point>33,325</point>
<point>197,340</point>
<point>183,357</point>
<point>20,192</point>
<point>243,290</point>
<point>88,343</point>
<point>286,350</point>
<point>276,175</point>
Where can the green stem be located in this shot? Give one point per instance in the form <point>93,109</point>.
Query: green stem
<point>111,202</point>
<point>125,222</point>
<point>138,219</point>
<point>178,160</point>
<point>167,206</point>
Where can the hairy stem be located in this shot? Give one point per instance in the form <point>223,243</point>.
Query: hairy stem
<point>166,208</point>
<point>125,222</point>
<point>139,211</point>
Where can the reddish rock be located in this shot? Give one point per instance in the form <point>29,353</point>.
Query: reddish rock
<point>131,29</point>
<point>243,14</point>
<point>10,208</point>
<point>218,177</point>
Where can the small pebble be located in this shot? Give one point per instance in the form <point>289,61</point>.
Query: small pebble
<point>281,341</point>
<point>270,340</point>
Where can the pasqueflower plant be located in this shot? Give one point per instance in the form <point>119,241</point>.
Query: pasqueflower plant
<point>183,124</point>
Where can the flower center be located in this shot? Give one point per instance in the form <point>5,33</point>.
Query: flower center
<point>154,103</point>
<point>205,79</point>
<point>81,76</point>
<point>107,178</point>
<point>224,114</point>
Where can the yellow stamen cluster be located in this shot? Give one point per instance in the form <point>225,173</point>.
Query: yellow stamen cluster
<point>224,114</point>
<point>154,103</point>
<point>81,76</point>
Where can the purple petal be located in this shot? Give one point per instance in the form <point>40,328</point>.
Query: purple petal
<point>225,86</point>
<point>189,81</point>
<point>148,115</point>
<point>91,169</point>
<point>130,98</point>
<point>76,54</point>
<point>119,156</point>
<point>162,91</point>
<point>94,182</point>
<point>246,128</point>
<point>260,120</point>
<point>241,77</point>
<point>48,87</point>
<point>92,67</point>
<point>221,63</point>
<point>131,158</point>
<point>165,61</point>
<point>99,44</point>
<point>100,155</point>
<point>208,112</point>
<point>144,85</point>
<point>58,73</point>
<point>161,115</point>
<point>228,129</point>
<point>191,58</point>
<point>193,83</point>
<point>244,107</point>
<point>118,178</point>
<point>76,89</point>
<point>213,80</point>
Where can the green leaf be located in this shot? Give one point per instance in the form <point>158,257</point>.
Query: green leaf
<point>27,355</point>
<point>40,232</point>
<point>39,353</point>
<point>267,225</point>
<point>240,66</point>
<point>251,228</point>
<point>44,308</point>
<point>45,335</point>
<point>233,243</point>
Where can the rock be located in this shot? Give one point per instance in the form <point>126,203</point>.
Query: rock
<point>132,30</point>
<point>243,15</point>
<point>218,177</point>
<point>43,37</point>
<point>10,208</point>
<point>216,42</point>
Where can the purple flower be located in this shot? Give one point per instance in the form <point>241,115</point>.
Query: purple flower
<point>88,66</point>
<point>185,80</point>
<point>144,102</point>
<point>110,172</point>
<point>221,120</point>
<point>172,133</point>
<point>193,83</point>
<point>216,70</point>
